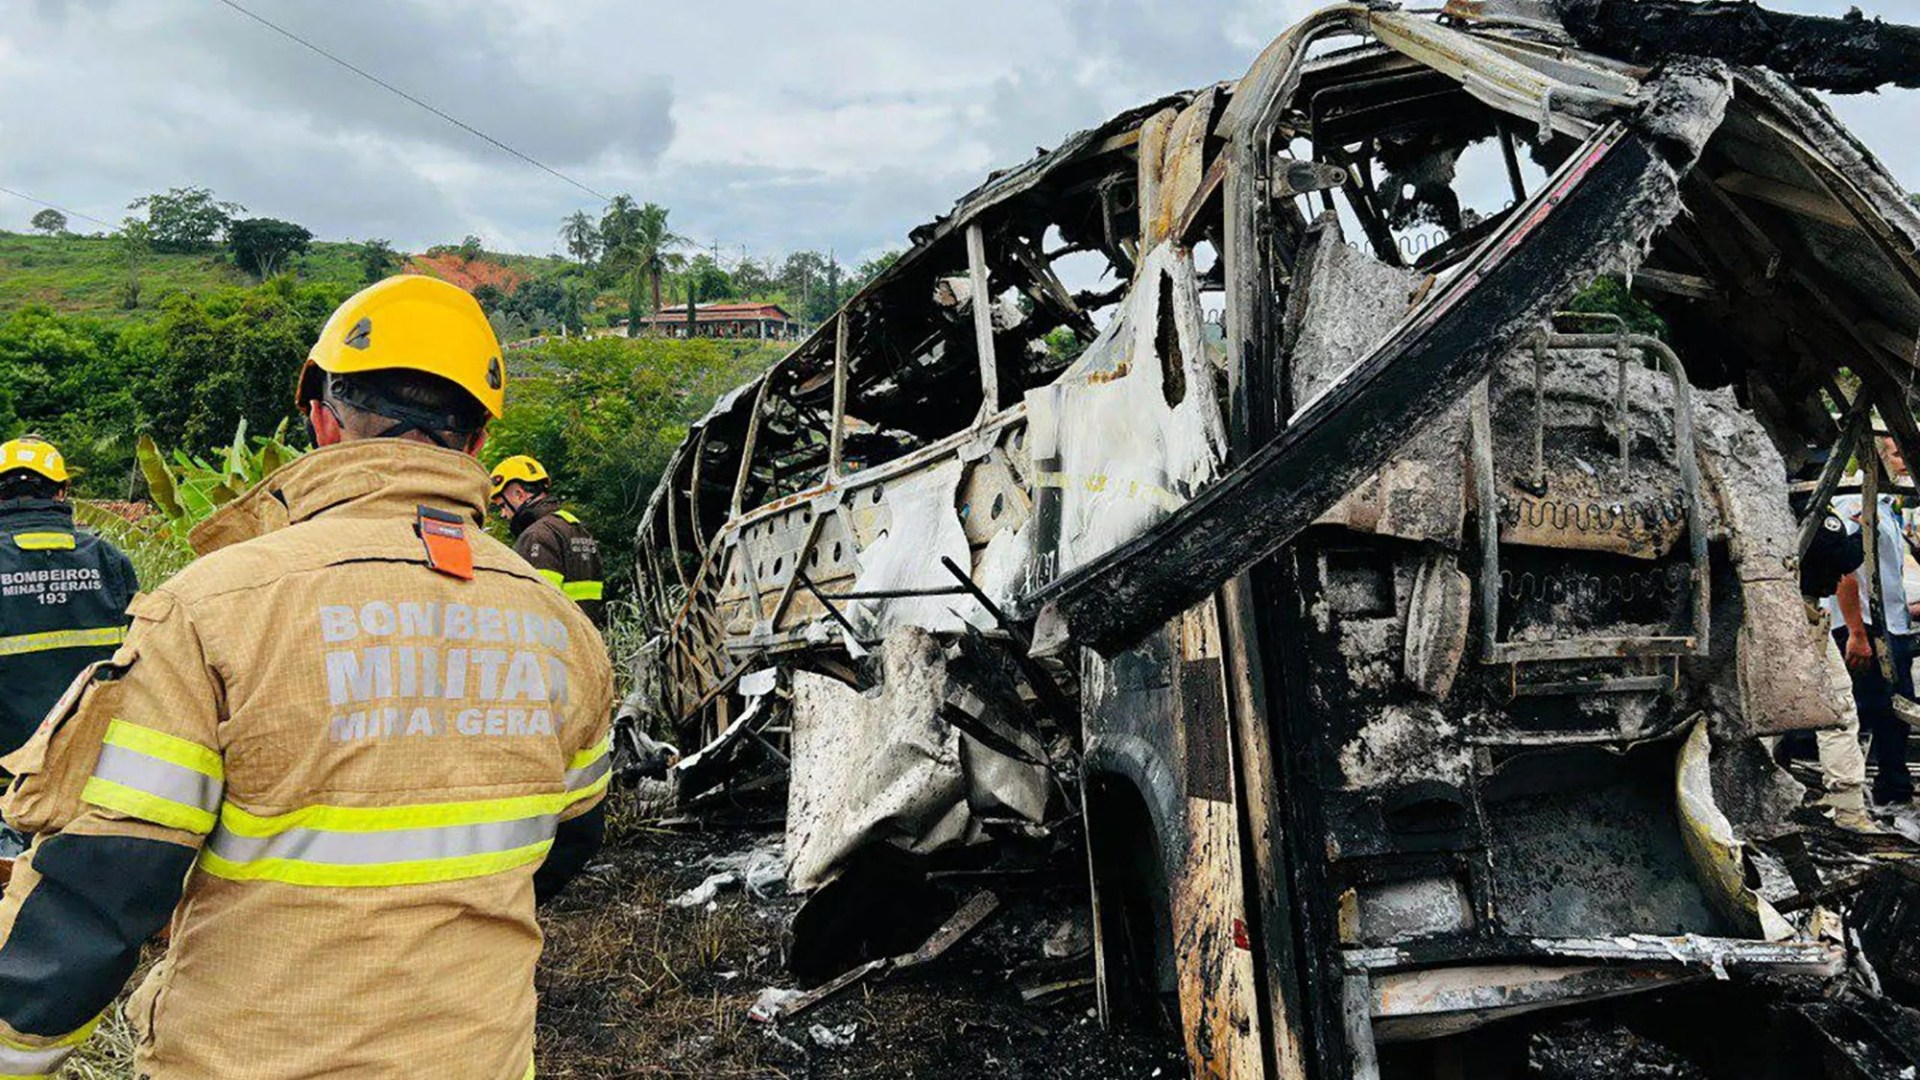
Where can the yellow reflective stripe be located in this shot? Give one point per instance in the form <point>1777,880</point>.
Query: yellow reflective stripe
<point>118,797</point>
<point>169,748</point>
<point>583,590</point>
<point>529,1075</point>
<point>553,577</point>
<point>590,770</point>
<point>391,818</point>
<point>592,753</point>
<point>45,641</point>
<point>23,1062</point>
<point>356,846</point>
<point>419,872</point>
<point>567,516</point>
<point>47,541</point>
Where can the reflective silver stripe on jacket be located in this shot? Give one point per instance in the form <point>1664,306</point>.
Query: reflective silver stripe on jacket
<point>175,783</point>
<point>31,1063</point>
<point>385,846</point>
<point>587,774</point>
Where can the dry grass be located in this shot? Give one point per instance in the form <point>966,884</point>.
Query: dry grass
<point>108,1055</point>
<point>632,987</point>
<point>629,986</point>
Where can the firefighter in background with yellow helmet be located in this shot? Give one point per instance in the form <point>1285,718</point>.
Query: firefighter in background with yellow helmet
<point>548,535</point>
<point>63,592</point>
<point>63,596</point>
<point>361,737</point>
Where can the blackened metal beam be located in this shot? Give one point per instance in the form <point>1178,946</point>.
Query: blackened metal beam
<point>1607,198</point>
<point>1849,55</point>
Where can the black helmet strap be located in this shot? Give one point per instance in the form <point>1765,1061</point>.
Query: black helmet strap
<point>406,418</point>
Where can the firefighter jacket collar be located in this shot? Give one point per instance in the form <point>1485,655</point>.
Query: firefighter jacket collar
<point>533,511</point>
<point>18,515</point>
<point>364,477</point>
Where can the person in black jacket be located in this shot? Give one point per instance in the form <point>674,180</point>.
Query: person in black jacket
<point>63,592</point>
<point>63,598</point>
<point>1829,569</point>
<point>548,536</point>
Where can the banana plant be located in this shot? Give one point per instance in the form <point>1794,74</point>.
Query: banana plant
<point>188,488</point>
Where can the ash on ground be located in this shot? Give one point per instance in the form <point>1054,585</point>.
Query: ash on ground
<point>634,985</point>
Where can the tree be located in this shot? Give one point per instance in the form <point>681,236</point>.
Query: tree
<point>470,248</point>
<point>752,279</point>
<point>50,221</point>
<point>708,280</point>
<point>539,303</point>
<point>206,364</point>
<point>1610,296</point>
<point>262,244</point>
<point>871,269</point>
<point>135,240</point>
<point>819,284</point>
<point>636,245</point>
<point>67,378</point>
<point>619,225</point>
<point>576,302</point>
<point>582,238</point>
<point>801,274</point>
<point>489,297</point>
<point>377,260</point>
<point>186,219</point>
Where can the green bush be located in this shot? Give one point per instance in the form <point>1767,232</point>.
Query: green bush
<point>604,414</point>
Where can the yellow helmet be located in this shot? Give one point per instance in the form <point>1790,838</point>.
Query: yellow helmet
<point>34,454</point>
<point>518,467</point>
<point>415,323</point>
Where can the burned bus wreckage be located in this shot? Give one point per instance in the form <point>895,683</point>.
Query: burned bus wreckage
<point>1230,490</point>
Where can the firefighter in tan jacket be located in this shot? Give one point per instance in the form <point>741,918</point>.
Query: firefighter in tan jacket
<point>346,752</point>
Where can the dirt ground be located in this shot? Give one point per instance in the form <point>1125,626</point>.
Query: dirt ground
<point>632,986</point>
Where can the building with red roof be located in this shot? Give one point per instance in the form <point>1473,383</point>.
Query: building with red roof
<point>742,320</point>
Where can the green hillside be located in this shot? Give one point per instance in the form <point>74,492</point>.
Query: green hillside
<point>82,274</point>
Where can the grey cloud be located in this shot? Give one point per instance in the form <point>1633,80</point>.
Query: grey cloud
<point>509,86</point>
<point>840,127</point>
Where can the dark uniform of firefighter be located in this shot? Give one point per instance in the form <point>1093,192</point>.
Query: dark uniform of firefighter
<point>548,535</point>
<point>63,592</point>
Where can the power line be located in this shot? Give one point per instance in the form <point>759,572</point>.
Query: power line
<point>51,206</point>
<point>455,121</point>
<point>385,85</point>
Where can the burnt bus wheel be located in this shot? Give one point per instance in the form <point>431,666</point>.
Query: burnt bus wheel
<point>1136,925</point>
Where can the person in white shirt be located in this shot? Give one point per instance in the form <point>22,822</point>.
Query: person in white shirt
<point>1892,627</point>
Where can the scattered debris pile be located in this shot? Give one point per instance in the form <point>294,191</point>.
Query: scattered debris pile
<point>635,985</point>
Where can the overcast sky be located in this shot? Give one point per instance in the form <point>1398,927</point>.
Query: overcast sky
<point>764,126</point>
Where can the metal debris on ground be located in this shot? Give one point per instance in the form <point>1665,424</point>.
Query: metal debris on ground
<point>956,929</point>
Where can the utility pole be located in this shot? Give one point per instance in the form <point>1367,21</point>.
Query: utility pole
<point>833,281</point>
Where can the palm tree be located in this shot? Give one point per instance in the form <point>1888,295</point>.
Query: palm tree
<point>581,236</point>
<point>653,239</point>
<point>636,244</point>
<point>646,253</point>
